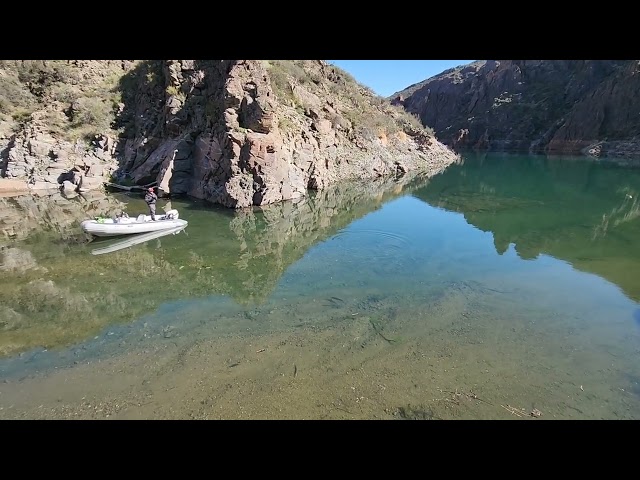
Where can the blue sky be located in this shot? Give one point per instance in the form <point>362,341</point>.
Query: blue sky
<point>386,77</point>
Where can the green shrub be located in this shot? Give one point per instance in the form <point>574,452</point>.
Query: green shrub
<point>286,125</point>
<point>64,93</point>
<point>5,105</point>
<point>92,111</point>
<point>172,91</point>
<point>21,115</point>
<point>15,94</point>
<point>280,84</point>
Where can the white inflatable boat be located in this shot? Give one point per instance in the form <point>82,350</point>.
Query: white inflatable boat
<point>125,225</point>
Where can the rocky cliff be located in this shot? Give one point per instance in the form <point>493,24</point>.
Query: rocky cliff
<point>539,106</point>
<point>232,132</point>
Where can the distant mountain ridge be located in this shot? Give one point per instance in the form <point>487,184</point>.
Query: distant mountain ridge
<point>540,106</point>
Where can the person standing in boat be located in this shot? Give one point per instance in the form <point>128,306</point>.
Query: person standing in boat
<point>150,197</point>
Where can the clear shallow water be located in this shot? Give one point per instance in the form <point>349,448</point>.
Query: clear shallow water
<point>505,282</point>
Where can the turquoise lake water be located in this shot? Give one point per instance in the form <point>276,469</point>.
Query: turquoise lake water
<point>505,287</point>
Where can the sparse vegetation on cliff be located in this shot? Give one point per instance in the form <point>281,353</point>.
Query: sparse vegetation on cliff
<point>370,115</point>
<point>72,99</point>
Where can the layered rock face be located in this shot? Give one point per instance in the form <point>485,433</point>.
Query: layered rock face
<point>540,106</point>
<point>225,136</point>
<point>46,163</point>
<point>232,132</point>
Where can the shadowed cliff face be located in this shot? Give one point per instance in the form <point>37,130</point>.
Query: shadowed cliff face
<point>53,292</point>
<point>576,210</point>
<point>553,106</point>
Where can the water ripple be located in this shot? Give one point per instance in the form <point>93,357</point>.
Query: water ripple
<point>378,244</point>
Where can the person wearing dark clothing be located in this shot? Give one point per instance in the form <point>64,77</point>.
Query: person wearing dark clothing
<point>150,197</point>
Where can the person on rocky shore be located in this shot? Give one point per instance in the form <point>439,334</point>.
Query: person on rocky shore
<point>150,197</point>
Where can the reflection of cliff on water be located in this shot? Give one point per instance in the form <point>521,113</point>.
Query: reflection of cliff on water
<point>574,209</point>
<point>25,215</point>
<point>38,295</point>
<point>243,254</point>
<point>54,292</point>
